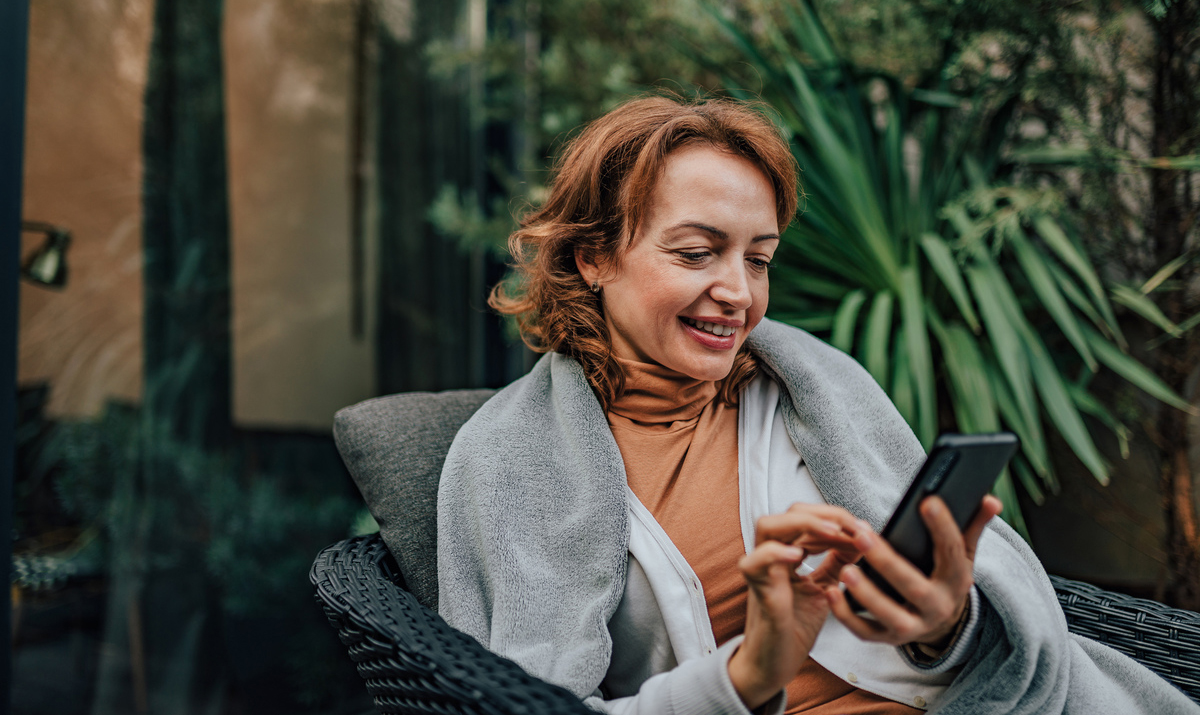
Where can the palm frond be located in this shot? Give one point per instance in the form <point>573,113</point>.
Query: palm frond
<point>967,299</point>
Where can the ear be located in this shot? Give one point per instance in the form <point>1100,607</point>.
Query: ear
<point>589,270</point>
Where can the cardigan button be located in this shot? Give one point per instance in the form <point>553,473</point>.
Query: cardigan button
<point>852,677</point>
<point>919,701</point>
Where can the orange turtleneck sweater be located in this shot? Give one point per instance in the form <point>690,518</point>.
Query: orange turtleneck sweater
<point>679,444</point>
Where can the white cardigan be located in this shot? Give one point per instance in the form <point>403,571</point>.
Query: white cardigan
<point>663,617</point>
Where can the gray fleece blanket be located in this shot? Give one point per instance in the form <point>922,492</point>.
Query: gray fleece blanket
<point>533,536</point>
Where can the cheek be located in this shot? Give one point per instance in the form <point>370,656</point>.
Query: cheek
<point>673,292</point>
<point>758,307</point>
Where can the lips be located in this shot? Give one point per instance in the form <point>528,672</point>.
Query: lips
<point>718,330</point>
<point>706,334</point>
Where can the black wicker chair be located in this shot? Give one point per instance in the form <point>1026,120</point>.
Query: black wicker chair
<point>413,662</point>
<point>1164,639</point>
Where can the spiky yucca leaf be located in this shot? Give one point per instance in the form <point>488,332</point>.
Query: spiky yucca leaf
<point>966,298</point>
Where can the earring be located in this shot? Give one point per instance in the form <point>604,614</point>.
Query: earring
<point>595,286</point>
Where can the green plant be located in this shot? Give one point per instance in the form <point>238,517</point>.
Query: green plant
<point>546,69</point>
<point>223,535</point>
<point>965,295</point>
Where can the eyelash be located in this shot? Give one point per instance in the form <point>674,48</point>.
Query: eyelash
<point>758,263</point>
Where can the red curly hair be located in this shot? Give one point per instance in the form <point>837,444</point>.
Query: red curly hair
<point>601,190</point>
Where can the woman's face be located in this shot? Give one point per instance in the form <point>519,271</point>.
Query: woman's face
<point>693,284</point>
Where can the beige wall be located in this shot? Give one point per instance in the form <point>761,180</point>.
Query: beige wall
<point>287,81</point>
<point>87,74</point>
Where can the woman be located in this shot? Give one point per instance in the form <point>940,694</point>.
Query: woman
<point>632,519</point>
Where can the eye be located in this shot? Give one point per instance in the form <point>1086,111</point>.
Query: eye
<point>760,264</point>
<point>693,256</point>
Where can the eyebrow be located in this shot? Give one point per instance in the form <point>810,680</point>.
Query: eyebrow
<point>713,230</point>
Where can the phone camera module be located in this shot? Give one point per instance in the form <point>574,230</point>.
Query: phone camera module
<point>940,469</point>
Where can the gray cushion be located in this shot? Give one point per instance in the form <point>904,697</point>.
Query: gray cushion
<point>394,447</point>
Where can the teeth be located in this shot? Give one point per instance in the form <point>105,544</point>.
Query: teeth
<point>719,330</point>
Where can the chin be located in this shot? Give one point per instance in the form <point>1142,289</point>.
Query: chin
<point>708,371</point>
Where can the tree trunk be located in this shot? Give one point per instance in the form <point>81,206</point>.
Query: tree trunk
<point>1176,105</point>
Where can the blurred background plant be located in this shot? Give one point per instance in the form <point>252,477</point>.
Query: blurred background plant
<point>214,544</point>
<point>549,67</point>
<point>960,277</point>
<point>921,254</point>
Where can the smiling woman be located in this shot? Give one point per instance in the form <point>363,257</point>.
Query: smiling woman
<point>661,516</point>
<point>693,284</point>
<point>651,191</point>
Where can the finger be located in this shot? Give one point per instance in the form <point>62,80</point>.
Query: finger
<point>811,518</point>
<point>830,569</point>
<point>793,525</point>
<point>901,624</point>
<point>913,585</point>
<point>816,544</point>
<point>950,563</point>
<point>768,574</point>
<point>828,512</point>
<point>756,565</point>
<point>835,560</point>
<point>859,626</point>
<point>988,508</point>
<point>845,555</point>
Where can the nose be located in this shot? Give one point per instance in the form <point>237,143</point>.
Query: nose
<point>732,286</point>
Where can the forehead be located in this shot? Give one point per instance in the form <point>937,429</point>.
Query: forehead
<point>703,180</point>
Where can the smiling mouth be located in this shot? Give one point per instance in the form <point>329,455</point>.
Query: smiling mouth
<point>718,330</point>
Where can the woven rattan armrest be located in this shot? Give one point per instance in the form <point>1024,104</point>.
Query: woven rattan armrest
<point>1165,640</point>
<point>412,660</point>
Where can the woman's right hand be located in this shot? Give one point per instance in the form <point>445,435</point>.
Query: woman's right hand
<point>784,610</point>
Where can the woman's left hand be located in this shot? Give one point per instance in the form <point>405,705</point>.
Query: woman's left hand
<point>935,603</point>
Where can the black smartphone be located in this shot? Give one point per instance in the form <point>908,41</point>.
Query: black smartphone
<point>961,469</point>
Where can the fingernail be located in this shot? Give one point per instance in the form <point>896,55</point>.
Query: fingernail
<point>849,575</point>
<point>861,525</point>
<point>934,507</point>
<point>829,527</point>
<point>792,552</point>
<point>864,540</point>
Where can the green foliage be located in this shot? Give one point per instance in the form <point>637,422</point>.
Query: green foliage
<point>364,523</point>
<point>546,72</point>
<point>151,502</point>
<point>572,60</point>
<point>461,218</point>
<point>966,296</point>
<point>201,532</point>
<point>942,241</point>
